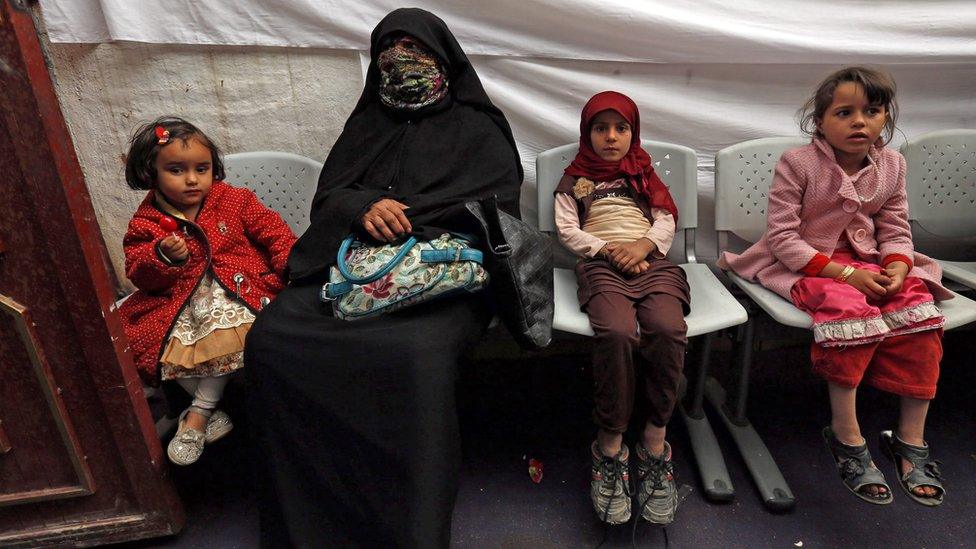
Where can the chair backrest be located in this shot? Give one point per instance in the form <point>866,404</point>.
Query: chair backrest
<point>676,165</point>
<point>941,182</point>
<point>743,174</point>
<point>285,182</point>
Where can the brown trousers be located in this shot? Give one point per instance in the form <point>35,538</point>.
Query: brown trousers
<point>621,355</point>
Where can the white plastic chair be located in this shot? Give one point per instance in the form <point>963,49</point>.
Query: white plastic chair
<point>285,182</point>
<point>712,306</point>
<point>743,175</point>
<point>942,192</point>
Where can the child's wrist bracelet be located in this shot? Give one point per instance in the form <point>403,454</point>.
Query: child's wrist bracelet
<point>845,273</point>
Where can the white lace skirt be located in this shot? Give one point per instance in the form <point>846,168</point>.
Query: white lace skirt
<point>208,337</point>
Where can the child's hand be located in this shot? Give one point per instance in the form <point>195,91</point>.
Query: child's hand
<point>896,271</point>
<point>638,269</point>
<point>174,248</point>
<point>627,256</point>
<point>605,251</point>
<point>869,283</point>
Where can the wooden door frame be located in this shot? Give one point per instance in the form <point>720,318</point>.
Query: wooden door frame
<point>30,110</point>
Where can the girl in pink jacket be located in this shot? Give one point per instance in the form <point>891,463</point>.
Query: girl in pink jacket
<point>838,245</point>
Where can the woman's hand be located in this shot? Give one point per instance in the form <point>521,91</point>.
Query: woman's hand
<point>174,248</point>
<point>627,256</point>
<point>896,271</point>
<point>870,283</point>
<point>385,220</point>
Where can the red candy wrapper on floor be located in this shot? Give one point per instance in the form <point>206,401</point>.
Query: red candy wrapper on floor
<point>535,470</point>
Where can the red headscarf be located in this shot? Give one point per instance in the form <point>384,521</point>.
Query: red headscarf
<point>636,163</point>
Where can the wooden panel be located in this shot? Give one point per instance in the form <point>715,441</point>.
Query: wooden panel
<point>56,272</point>
<point>4,440</point>
<point>117,528</point>
<point>52,410</point>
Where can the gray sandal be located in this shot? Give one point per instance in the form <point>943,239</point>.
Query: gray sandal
<point>855,468</point>
<point>924,472</point>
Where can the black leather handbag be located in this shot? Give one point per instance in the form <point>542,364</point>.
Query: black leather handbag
<point>518,259</point>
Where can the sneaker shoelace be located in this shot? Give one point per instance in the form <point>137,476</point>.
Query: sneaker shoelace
<point>658,469</point>
<point>611,469</point>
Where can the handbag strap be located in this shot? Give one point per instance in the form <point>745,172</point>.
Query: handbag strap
<point>452,255</point>
<point>344,270</point>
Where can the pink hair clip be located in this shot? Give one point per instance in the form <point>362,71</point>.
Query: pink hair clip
<point>162,135</point>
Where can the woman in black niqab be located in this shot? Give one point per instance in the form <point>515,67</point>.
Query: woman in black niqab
<point>433,159</point>
<point>355,422</point>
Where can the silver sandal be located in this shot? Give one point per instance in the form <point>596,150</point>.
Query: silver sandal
<point>187,445</point>
<point>855,468</point>
<point>218,426</point>
<point>924,472</point>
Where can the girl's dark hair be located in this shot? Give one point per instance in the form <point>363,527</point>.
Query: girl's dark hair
<point>878,85</point>
<point>140,163</point>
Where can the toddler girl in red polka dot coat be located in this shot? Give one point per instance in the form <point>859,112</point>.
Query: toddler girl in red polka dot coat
<point>206,257</point>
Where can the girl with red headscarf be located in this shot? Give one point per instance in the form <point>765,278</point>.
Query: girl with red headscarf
<point>617,216</point>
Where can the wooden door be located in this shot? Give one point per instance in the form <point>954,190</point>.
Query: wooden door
<point>80,462</point>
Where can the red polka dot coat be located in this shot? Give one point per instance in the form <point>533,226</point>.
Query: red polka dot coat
<point>241,241</point>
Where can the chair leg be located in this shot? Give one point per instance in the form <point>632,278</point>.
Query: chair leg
<point>744,347</point>
<point>708,455</point>
<point>765,473</point>
<point>695,397</point>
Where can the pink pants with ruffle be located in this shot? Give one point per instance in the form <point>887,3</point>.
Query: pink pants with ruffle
<point>894,343</point>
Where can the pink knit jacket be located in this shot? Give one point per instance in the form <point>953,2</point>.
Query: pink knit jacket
<point>812,202</point>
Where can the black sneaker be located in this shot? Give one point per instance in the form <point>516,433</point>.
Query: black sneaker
<point>656,491</point>
<point>610,485</point>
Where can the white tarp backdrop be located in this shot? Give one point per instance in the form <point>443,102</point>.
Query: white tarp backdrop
<point>705,74</point>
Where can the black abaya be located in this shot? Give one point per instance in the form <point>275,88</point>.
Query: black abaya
<point>356,421</point>
<point>433,160</point>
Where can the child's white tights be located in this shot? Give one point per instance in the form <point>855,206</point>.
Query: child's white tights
<point>206,392</point>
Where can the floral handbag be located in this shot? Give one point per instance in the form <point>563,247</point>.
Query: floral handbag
<point>371,280</point>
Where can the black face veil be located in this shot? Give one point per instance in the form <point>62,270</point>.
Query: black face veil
<point>433,159</point>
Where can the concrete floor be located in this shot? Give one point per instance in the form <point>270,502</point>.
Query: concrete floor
<point>515,406</point>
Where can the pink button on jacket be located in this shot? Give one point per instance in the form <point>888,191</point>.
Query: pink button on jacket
<point>812,202</point>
